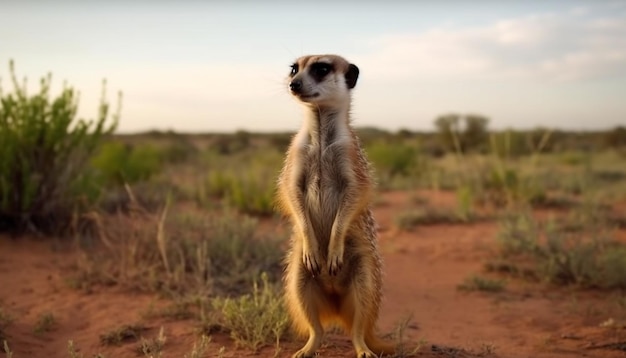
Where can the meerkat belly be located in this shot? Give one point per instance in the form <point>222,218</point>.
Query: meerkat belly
<point>326,186</point>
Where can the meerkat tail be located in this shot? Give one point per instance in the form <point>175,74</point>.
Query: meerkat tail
<point>378,346</point>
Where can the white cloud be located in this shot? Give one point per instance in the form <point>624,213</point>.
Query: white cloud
<point>568,46</point>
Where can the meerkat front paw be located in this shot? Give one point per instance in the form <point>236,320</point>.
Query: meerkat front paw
<point>311,260</point>
<point>334,265</point>
<point>335,259</point>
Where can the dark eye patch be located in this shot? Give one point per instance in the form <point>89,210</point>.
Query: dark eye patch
<point>294,69</point>
<point>319,70</point>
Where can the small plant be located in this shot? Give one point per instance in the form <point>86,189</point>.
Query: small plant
<point>45,323</point>
<point>7,350</point>
<point>72,350</point>
<point>255,319</point>
<point>122,334</point>
<point>518,235</point>
<point>477,283</point>
<point>153,348</point>
<point>199,348</point>
<point>465,202</point>
<point>399,336</point>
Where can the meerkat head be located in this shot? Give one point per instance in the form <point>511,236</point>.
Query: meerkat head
<point>322,80</point>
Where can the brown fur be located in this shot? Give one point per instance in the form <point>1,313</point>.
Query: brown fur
<point>333,273</point>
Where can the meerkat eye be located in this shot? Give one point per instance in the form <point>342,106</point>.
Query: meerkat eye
<point>320,70</point>
<point>294,69</point>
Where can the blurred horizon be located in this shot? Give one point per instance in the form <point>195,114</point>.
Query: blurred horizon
<point>196,67</point>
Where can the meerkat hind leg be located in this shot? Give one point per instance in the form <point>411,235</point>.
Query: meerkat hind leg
<point>313,343</point>
<point>359,324</point>
<point>309,298</point>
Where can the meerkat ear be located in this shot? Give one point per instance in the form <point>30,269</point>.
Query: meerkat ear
<point>351,76</point>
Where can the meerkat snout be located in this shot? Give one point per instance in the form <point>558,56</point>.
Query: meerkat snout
<point>295,86</point>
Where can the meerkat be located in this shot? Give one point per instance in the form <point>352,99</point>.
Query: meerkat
<point>333,274</point>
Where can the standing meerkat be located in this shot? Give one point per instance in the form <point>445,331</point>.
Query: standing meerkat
<point>333,273</point>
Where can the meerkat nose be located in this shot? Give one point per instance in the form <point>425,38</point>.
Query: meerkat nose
<point>295,86</point>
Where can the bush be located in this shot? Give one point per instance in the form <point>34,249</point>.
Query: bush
<point>392,158</point>
<point>246,182</point>
<point>44,152</point>
<point>393,161</point>
<point>473,136</point>
<point>117,163</point>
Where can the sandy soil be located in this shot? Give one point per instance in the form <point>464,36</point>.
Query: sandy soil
<point>423,269</point>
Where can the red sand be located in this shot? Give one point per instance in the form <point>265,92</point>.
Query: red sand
<point>423,269</point>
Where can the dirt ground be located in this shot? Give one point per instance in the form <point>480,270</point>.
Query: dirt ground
<point>422,271</point>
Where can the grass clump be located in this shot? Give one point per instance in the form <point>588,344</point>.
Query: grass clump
<point>428,216</point>
<point>200,348</point>
<point>588,257</point>
<point>255,319</point>
<point>153,347</point>
<point>478,283</point>
<point>75,353</point>
<point>399,336</point>
<point>181,255</point>
<point>122,334</point>
<point>45,151</point>
<point>45,323</point>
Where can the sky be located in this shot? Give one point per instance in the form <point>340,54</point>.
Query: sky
<point>194,66</point>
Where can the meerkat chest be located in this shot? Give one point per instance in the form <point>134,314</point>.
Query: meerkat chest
<point>326,168</point>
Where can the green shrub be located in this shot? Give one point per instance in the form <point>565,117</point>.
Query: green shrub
<point>246,182</point>
<point>458,136</point>
<point>44,152</point>
<point>393,160</point>
<point>180,150</point>
<point>612,269</point>
<point>251,193</point>
<point>117,163</point>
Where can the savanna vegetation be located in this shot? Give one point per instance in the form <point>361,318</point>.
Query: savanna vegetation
<point>185,216</point>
